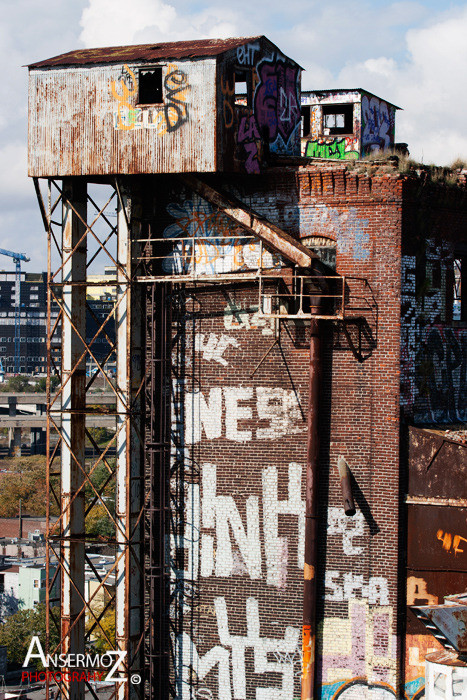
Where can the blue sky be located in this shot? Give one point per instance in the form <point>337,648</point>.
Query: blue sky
<point>411,52</point>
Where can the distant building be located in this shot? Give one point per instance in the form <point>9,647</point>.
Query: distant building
<point>33,322</point>
<point>346,124</point>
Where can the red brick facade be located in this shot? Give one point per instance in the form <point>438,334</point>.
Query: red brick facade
<point>245,438</point>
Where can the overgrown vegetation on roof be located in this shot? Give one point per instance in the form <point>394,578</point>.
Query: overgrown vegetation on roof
<point>387,162</point>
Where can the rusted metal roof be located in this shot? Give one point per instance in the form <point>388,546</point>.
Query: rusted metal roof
<point>147,52</point>
<point>445,622</point>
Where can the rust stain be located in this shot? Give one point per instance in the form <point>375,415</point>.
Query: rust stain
<point>147,52</point>
<point>309,572</point>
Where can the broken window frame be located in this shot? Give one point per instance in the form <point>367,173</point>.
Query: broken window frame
<point>150,69</point>
<point>344,108</point>
<point>242,76</point>
<point>305,126</point>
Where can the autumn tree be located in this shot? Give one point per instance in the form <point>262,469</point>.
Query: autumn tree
<point>18,629</point>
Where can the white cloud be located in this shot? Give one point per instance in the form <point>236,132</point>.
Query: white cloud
<point>114,22</point>
<point>428,85</point>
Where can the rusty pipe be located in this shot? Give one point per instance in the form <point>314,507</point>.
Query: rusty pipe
<point>311,518</point>
<point>346,485</point>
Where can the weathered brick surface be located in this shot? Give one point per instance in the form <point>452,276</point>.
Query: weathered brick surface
<point>244,433</point>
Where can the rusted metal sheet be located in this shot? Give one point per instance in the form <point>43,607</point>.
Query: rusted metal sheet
<point>146,52</point>
<point>430,588</point>
<point>169,108</point>
<point>437,465</point>
<point>447,623</point>
<point>87,121</point>
<point>437,538</point>
<point>274,237</point>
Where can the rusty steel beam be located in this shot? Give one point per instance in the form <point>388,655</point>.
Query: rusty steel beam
<point>73,424</point>
<point>129,469</point>
<point>272,236</point>
<point>346,486</point>
<point>311,517</point>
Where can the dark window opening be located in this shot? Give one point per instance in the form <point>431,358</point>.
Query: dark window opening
<point>150,86</point>
<point>242,88</point>
<point>436,274</point>
<point>337,119</point>
<point>306,120</point>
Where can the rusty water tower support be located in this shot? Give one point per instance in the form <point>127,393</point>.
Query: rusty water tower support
<point>75,492</point>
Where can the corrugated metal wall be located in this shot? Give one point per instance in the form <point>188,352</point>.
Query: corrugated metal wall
<point>85,121</point>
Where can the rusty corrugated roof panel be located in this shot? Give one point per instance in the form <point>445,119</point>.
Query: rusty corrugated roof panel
<point>147,52</point>
<point>445,622</point>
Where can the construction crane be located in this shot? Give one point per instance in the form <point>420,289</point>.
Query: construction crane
<point>18,259</point>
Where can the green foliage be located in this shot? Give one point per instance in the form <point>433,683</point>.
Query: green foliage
<point>16,385</point>
<point>17,630</point>
<point>98,521</point>
<point>101,435</point>
<point>41,384</point>
<point>107,623</point>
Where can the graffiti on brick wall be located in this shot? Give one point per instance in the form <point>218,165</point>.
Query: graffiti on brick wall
<point>433,353</point>
<point>441,373</point>
<point>236,317</point>
<point>337,148</point>
<point>164,118</point>
<point>225,537</point>
<point>211,243</point>
<point>213,347</point>
<point>361,644</point>
<point>227,660</point>
<point>217,414</point>
<point>377,124</point>
<point>345,226</point>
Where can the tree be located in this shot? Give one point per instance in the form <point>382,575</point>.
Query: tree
<point>16,384</point>
<point>18,629</point>
<point>41,384</point>
<point>107,625</point>
<point>25,480</point>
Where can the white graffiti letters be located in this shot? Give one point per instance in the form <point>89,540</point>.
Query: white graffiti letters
<point>279,407</point>
<point>214,347</point>
<point>348,528</point>
<point>276,547</point>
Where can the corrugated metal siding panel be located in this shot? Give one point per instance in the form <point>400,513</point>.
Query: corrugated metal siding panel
<point>75,127</point>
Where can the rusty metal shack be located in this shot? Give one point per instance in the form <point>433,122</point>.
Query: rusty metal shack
<point>166,108</point>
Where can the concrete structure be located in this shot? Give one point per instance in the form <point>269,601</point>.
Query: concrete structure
<point>225,286</point>
<point>343,124</point>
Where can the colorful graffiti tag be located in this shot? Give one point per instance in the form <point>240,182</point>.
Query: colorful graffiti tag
<point>273,119</point>
<point>377,124</point>
<point>211,242</point>
<point>276,103</point>
<point>164,118</point>
<point>336,148</point>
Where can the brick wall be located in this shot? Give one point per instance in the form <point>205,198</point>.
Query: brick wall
<point>244,443</point>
